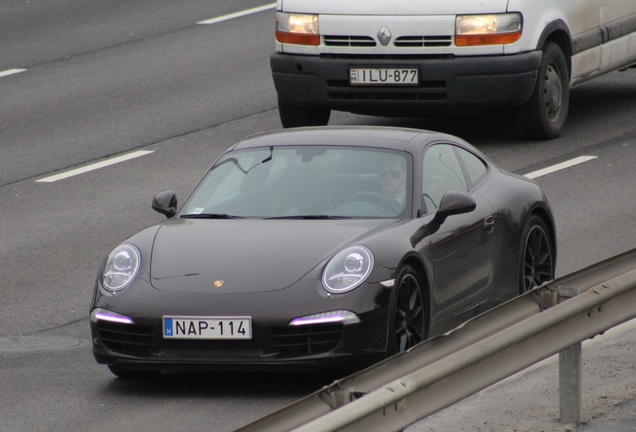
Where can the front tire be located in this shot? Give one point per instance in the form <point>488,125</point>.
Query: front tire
<point>407,316</point>
<point>292,116</point>
<point>536,265</point>
<point>544,115</point>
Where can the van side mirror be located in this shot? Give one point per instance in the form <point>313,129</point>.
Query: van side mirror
<point>165,203</point>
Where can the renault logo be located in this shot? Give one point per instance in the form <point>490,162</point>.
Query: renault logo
<point>384,36</point>
<point>218,283</point>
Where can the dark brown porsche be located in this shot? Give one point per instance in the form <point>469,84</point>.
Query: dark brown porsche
<point>319,248</point>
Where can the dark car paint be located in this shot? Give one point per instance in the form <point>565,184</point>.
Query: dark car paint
<point>441,253</point>
<point>260,246</point>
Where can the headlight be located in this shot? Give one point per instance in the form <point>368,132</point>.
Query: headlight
<point>121,267</point>
<point>299,29</point>
<point>494,29</point>
<point>347,269</point>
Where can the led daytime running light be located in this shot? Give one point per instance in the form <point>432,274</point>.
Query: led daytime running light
<point>340,316</point>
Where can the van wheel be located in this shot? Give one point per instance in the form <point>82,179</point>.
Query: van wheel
<point>544,115</point>
<point>292,116</point>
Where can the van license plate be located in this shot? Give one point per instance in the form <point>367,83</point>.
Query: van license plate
<point>384,76</point>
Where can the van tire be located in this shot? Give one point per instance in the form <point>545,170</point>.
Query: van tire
<point>543,117</point>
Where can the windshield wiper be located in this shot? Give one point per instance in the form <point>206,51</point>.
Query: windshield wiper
<point>210,216</point>
<point>313,217</point>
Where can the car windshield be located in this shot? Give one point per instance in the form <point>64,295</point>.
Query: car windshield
<point>305,182</point>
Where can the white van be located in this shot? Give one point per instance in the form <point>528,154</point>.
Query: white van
<point>409,57</point>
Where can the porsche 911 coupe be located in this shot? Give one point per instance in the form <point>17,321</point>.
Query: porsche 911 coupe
<point>325,247</point>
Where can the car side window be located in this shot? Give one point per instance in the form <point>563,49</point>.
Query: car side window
<point>441,173</point>
<point>475,167</point>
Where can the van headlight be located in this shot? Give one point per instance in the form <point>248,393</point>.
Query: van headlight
<point>491,29</point>
<point>298,29</point>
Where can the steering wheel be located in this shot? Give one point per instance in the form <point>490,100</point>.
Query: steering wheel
<point>377,199</point>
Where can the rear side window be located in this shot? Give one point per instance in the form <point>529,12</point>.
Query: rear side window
<point>475,167</point>
<point>441,173</point>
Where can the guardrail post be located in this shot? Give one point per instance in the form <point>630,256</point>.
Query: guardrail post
<point>571,384</point>
<point>570,372</point>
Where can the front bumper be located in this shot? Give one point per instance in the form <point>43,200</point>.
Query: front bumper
<point>140,345</point>
<point>446,83</point>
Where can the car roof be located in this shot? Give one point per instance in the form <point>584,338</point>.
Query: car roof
<point>362,136</point>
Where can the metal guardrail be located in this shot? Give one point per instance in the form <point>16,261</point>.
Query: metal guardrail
<point>433,375</point>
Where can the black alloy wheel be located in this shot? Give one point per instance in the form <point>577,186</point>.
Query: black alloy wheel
<point>407,315</point>
<point>537,260</point>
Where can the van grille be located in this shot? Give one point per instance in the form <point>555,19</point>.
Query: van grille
<point>423,41</point>
<point>400,42</point>
<point>349,41</point>
<point>341,90</point>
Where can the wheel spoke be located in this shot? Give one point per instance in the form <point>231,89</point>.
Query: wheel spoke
<point>537,265</point>
<point>409,314</point>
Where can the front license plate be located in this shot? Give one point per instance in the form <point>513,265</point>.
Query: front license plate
<point>384,76</point>
<point>180,327</point>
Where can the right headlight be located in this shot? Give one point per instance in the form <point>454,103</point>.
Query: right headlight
<point>121,267</point>
<point>491,29</point>
<point>347,269</point>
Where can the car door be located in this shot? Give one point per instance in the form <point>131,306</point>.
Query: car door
<point>462,247</point>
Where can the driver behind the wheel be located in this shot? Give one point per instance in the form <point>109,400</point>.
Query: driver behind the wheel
<point>393,179</point>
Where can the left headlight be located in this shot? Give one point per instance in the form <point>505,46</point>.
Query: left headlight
<point>347,269</point>
<point>121,267</point>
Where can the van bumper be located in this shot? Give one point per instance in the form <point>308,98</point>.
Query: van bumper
<point>449,83</point>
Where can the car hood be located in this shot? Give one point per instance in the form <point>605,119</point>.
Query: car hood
<point>251,255</point>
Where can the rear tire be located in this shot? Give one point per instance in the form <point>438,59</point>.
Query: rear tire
<point>292,116</point>
<point>544,115</point>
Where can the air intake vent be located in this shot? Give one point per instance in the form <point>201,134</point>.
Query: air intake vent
<point>307,339</point>
<point>423,41</point>
<point>125,338</point>
<point>349,41</point>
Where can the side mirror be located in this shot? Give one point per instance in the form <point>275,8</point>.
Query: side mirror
<point>454,203</point>
<point>165,203</point>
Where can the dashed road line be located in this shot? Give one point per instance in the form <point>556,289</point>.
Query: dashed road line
<point>559,167</point>
<point>238,14</point>
<point>93,167</point>
<point>10,72</point>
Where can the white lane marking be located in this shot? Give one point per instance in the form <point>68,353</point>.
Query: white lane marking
<point>94,166</point>
<point>238,14</point>
<point>10,72</point>
<point>559,167</point>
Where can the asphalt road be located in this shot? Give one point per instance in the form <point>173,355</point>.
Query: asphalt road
<point>101,79</point>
